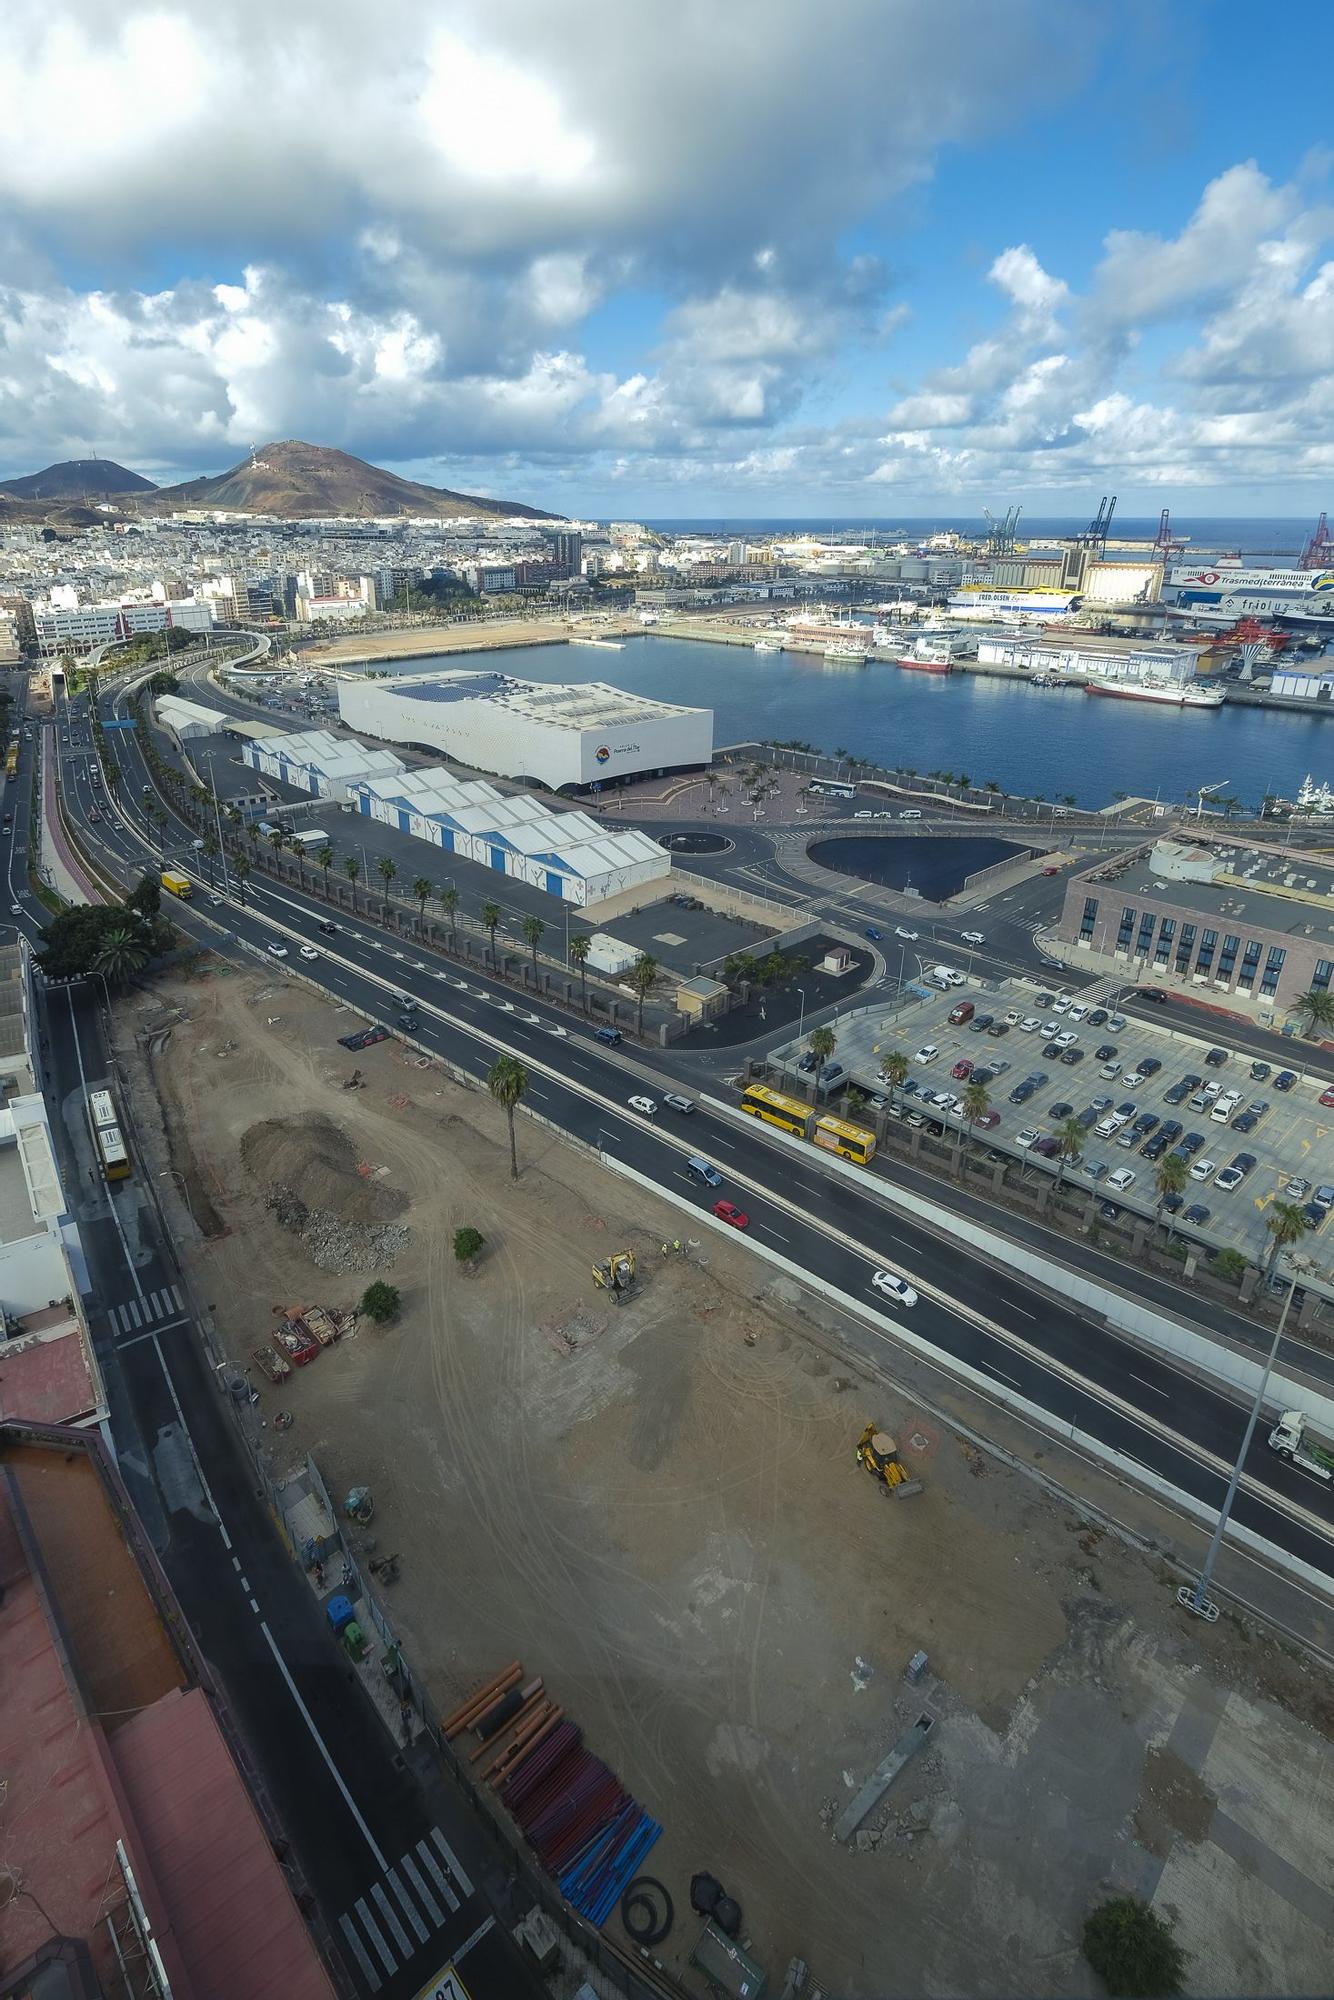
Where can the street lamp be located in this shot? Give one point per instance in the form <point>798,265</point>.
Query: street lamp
<point>175,1174</point>
<point>1194,1597</point>
<point>1204,791</point>
<point>801,1019</point>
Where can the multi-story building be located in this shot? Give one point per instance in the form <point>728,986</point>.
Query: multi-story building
<point>1216,916</point>
<point>78,628</point>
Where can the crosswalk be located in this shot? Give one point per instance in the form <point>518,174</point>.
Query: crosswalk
<point>135,1316</point>
<point>404,1908</point>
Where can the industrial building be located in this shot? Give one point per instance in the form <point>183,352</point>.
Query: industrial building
<point>315,761</point>
<point>1092,658</point>
<point>568,854</point>
<point>187,720</point>
<point>1209,917</point>
<point>568,737</point>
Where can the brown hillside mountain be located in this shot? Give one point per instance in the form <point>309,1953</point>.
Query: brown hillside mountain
<point>294,481</point>
<point>76,480</point>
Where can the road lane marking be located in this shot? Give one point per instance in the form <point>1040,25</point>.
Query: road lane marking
<point>368,1972</point>
<point>323,1749</point>
<point>1146,1384</point>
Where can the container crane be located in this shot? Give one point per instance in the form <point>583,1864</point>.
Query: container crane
<point>1319,551</point>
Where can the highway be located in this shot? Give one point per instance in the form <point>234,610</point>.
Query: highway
<point>999,1325</point>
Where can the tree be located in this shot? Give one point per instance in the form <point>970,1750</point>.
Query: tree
<point>507,1080</point>
<point>822,1042</point>
<point>449,903</point>
<point>352,868</point>
<point>386,868</point>
<point>1229,1265</point>
<point>533,929</point>
<point>1133,1951</point>
<point>976,1104</point>
<point>325,857</point>
<point>277,838</point>
<point>1170,1179</point>
<point>146,896</point>
<point>211,850</point>
<point>1286,1225</point>
<point>467,1244</point>
<point>421,889</point>
<point>642,975</point>
<point>894,1069</point>
<point>380,1302</point>
<point>1315,1010</point>
<point>1069,1136</point>
<point>121,953</point>
<point>580,946</point>
<point>490,914</point>
<point>241,870</point>
<point>160,820</point>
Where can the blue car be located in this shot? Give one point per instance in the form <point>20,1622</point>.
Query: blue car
<point>872,933</point>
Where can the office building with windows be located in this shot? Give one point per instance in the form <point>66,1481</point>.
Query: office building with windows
<point>1216,919</point>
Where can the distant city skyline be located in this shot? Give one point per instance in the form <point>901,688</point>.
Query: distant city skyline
<point>896,258</point>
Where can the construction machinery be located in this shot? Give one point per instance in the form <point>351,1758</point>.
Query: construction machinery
<point>878,1454</point>
<point>616,1274</point>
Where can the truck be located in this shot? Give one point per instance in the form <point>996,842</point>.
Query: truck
<point>1290,1439</point>
<point>311,837</point>
<point>945,976</point>
<point>179,885</point>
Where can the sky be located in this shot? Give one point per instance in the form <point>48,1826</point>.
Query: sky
<point>863,259</point>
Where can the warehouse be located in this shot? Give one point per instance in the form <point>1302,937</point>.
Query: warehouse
<point>568,854</point>
<point>567,737</point>
<point>186,720</point>
<point>313,760</point>
<point>1092,657</point>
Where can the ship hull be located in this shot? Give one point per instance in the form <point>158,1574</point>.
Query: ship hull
<point>913,666</point>
<point>1162,697</point>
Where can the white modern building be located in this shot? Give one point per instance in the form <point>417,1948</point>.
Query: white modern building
<point>315,761</point>
<point>188,720</point>
<point>569,737</point>
<point>1091,658</point>
<point>568,854</point>
<point>63,626</point>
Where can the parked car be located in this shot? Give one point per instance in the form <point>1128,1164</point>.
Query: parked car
<point>1057,1112</point>
<point>988,1121</point>
<point>928,1053</point>
<point>1327,1096</point>
<point>1087,1117</point>
<point>1177,1094</point>
<point>962,1070</point>
<point>1048,1147</point>
<point>1172,1201</point>
<point>1149,1066</point>
<point>1094,1170</point>
<point>1053,1052</point>
<point>1324,1197</point>
<point>1072,1057</point>
<point>1105,1052</point>
<point>1029,1025</point>
<point>1314,1214</point>
<point>1202,1170</point>
<point>365,1038</point>
<point>999,1028</point>
<point>1111,1068</point>
<point>727,1211</point>
<point>1116,1022</point>
<point>1245,1121</point>
<point>892,1287</point>
<point>1190,1145</point>
<point>1067,1038</point>
<point>1098,1017</point>
<point>1197,1215</point>
<point>1078,1009</point>
<point>1297,1188</point>
<point>1229,1178</point>
<point>808,1063</point>
<point>831,1073</point>
<point>1171,1129</point>
<point>1154,1148</point>
<point>1260,1072</point>
<point>1285,1079</point>
<point>1027,1138</point>
<point>1215,1059</point>
<point>1061,1002</point>
<point>961,1014</point>
<point>1123,1178</point>
<point>980,1023</point>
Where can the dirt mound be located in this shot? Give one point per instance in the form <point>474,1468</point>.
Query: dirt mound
<point>311,1178</point>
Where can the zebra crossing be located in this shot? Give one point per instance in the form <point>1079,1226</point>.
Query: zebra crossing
<point>133,1316</point>
<point>418,1895</point>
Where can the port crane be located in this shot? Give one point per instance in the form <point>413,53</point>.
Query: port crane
<point>1319,551</point>
<point>1001,534</point>
<point>1099,528</point>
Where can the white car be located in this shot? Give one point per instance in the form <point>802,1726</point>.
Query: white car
<point>1123,1178</point>
<point>1028,1137</point>
<point>1133,1079</point>
<point>1110,1070</point>
<point>647,1105</point>
<point>277,951</point>
<point>894,1288</point>
<point>1050,1030</point>
<point>1029,1025</point>
<point>1078,1011</point>
<point>1061,1003</point>
<point>911,936</point>
<point>1201,1170</point>
<point>927,1053</point>
<point>972,937</point>
<point>216,902</point>
<point>863,815</point>
<point>309,951</point>
<point>1066,1039</point>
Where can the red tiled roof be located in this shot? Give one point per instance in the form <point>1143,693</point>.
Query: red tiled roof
<point>45,1381</point>
<point>227,1900</point>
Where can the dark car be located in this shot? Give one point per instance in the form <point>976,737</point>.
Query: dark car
<point>1059,1111</point>
<point>1244,1162</point>
<point>1088,1117</point>
<point>1070,1057</point>
<point>1051,1053</point>
<point>1260,1072</point>
<point>1022,1092</point>
<point>408,1023</point>
<point>1105,1052</point>
<point>808,1063</point>
<point>980,1023</point>
<point>1098,1017</point>
<point>1215,1059</point>
<point>1197,1215</point>
<point>1154,1148</point>
<point>330,930</point>
<point>1178,1094</point>
<point>1314,1214</point>
<point>1154,993</point>
<point>611,1037</point>
<point>1172,1128</point>
<point>1285,1079</point>
<point>365,1038</point>
<point>1044,1001</point>
<point>872,933</point>
<point>1109,1211</point>
<point>1048,1147</point>
<point>1245,1121</point>
<point>1172,1202</point>
<point>1190,1145</point>
<point>908,1088</point>
<point>983,1076</point>
<point>1150,1066</point>
<point>999,1028</point>
<point>1191,1082</point>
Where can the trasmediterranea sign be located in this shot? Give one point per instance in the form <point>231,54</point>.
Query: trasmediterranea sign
<point>1201,576</point>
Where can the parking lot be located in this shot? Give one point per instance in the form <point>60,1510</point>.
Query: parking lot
<point>1290,1141</point>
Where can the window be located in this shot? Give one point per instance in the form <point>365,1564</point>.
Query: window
<point>1208,946</point>
<point>1185,946</point>
<point>1320,978</point>
<point>1273,967</point>
<point>1089,919</point>
<point>1250,963</point>
<point>1229,958</point>
<point>1167,930</point>
<point>1127,929</point>
<point>1145,942</point>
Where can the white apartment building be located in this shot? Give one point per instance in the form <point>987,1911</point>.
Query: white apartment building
<point>63,627</point>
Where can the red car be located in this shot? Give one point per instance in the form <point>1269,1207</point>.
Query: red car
<point>727,1211</point>
<point>1051,871</point>
<point>962,1070</point>
<point>988,1121</point>
<point>1327,1096</point>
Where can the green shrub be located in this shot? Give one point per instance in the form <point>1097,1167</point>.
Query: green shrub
<point>1133,1951</point>
<point>467,1243</point>
<point>380,1302</point>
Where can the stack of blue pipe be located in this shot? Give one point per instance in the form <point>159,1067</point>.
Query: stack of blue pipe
<point>604,1869</point>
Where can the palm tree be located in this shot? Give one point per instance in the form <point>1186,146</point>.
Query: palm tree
<point>1069,1143</point>
<point>580,946</point>
<point>120,955</point>
<point>325,858</point>
<point>160,821</point>
<point>421,889</point>
<point>533,928</point>
<point>507,1080</point>
<point>976,1104</point>
<point>894,1069</point>
<point>352,868</point>
<point>241,870</point>
<point>278,839</point>
<point>1170,1179</point>
<point>449,903</point>
<point>490,915</point>
<point>211,850</point>
<point>252,833</point>
<point>822,1042</point>
<point>642,975</point>
<point>1286,1225</point>
<point>386,868</point>
<point>1315,1011</point>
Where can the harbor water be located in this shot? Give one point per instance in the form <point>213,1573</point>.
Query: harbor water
<point>1027,739</point>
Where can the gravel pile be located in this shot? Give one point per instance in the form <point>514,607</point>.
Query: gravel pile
<point>317,1188</point>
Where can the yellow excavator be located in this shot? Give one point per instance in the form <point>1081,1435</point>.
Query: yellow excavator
<point>616,1274</point>
<point>878,1454</point>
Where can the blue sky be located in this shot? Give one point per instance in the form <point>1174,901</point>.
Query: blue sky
<point>891,257</point>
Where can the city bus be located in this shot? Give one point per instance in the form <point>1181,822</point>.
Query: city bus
<point>105,1126</point>
<point>832,788</point>
<point>790,1114</point>
<point>11,761</point>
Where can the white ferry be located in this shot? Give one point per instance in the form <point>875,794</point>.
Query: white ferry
<point>1044,603</point>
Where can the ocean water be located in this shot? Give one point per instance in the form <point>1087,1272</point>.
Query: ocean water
<point>1278,537</point>
<point>1027,739</point>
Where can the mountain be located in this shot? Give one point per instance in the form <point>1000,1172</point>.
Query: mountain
<point>296,481</point>
<point>75,480</point>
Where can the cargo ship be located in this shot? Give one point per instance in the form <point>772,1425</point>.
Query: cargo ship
<point>1170,693</point>
<point>931,653</point>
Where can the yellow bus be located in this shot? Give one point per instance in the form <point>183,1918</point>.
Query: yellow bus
<point>11,761</point>
<point>850,1142</point>
<point>788,1113</point>
<point>111,1149</point>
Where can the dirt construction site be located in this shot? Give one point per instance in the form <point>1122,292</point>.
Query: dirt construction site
<point>657,1507</point>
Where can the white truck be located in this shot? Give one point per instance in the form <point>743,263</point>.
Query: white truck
<point>1290,1439</point>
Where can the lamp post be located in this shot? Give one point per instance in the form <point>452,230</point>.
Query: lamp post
<point>801,1018</point>
<point>1195,1597</point>
<point>174,1174</point>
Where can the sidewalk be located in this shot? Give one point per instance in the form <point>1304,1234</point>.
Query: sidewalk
<point>56,862</point>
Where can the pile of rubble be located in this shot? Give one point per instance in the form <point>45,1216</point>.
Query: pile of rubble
<point>335,1245</point>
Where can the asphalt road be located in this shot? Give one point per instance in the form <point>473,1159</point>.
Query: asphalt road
<point>1004,1328</point>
